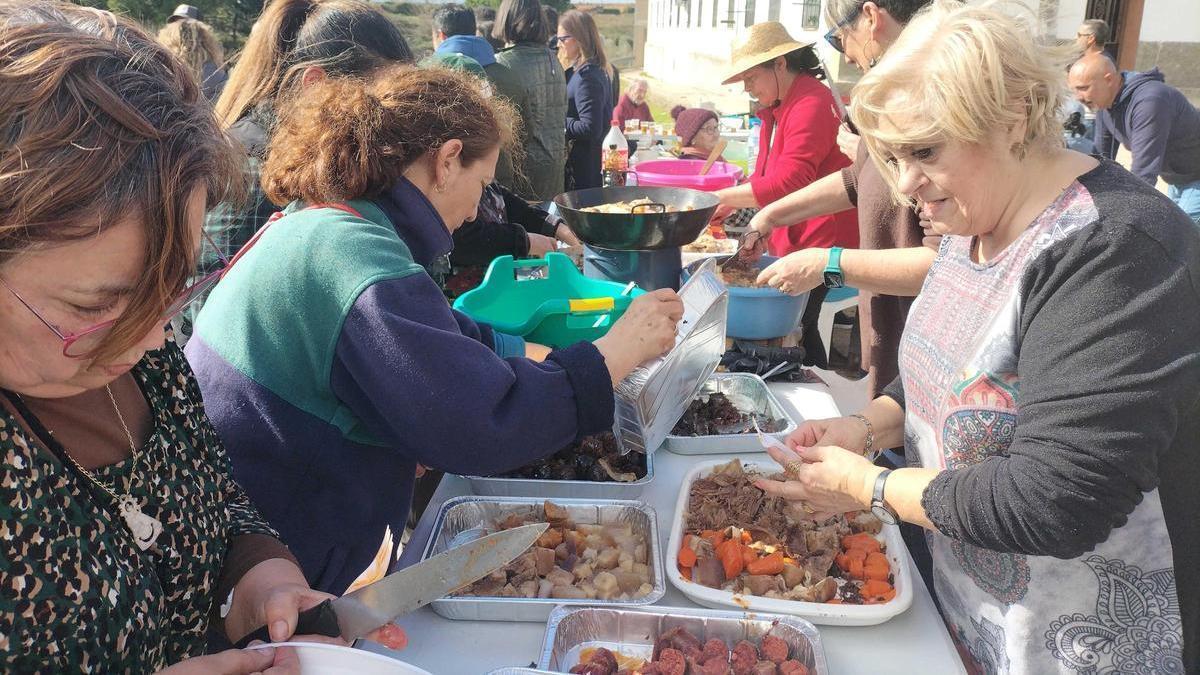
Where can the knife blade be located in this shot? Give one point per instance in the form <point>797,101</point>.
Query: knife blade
<point>355,614</point>
<point>843,114</point>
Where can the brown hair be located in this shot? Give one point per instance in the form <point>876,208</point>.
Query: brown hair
<point>101,123</point>
<point>346,139</point>
<point>582,27</point>
<point>345,38</point>
<point>194,43</point>
<point>521,21</point>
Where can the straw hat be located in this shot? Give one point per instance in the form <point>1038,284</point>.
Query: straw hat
<point>761,44</point>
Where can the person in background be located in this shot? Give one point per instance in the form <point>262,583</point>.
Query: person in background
<point>326,425</point>
<point>551,16</point>
<point>1050,371</point>
<point>124,533</point>
<point>521,25</point>
<point>698,130</point>
<point>895,251</point>
<point>454,34</point>
<point>295,43</point>
<point>589,97</point>
<point>193,43</point>
<point>507,225</point>
<point>798,145</point>
<point>1092,36</point>
<point>632,104</point>
<point>1154,120</point>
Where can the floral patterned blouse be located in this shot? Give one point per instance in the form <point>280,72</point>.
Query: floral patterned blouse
<point>76,593</point>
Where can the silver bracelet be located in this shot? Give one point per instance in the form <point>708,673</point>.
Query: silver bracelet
<point>869,445</point>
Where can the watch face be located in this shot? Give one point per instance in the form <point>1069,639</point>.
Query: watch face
<point>883,513</point>
<point>833,280</point>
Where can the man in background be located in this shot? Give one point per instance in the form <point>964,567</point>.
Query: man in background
<point>632,105</point>
<point>1156,122</point>
<point>454,40</point>
<point>1092,36</point>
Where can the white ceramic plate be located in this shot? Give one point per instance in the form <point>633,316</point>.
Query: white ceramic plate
<point>318,658</point>
<point>816,612</point>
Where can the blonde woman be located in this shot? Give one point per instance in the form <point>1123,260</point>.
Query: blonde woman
<point>1049,384</point>
<point>194,43</point>
<point>589,96</point>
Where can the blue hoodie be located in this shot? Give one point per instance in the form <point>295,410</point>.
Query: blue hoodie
<point>1158,124</point>
<point>469,45</point>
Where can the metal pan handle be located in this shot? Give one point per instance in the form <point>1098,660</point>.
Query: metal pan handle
<point>653,207</point>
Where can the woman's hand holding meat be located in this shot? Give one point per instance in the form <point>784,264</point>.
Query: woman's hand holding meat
<point>826,479</point>
<point>646,330</point>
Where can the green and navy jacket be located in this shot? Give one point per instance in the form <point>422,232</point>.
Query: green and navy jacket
<point>331,365</point>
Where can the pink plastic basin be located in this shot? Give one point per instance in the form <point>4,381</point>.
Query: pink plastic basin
<point>685,173</point>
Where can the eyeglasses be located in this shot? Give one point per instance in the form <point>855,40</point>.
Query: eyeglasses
<point>711,127</point>
<point>557,40</point>
<point>833,37</point>
<point>82,343</point>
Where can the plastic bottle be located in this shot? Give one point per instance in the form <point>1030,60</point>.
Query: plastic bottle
<point>752,144</point>
<point>614,157</point>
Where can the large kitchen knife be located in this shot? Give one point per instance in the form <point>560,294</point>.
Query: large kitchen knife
<point>839,105</point>
<point>355,614</point>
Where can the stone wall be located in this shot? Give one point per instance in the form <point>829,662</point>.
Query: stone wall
<point>1179,62</point>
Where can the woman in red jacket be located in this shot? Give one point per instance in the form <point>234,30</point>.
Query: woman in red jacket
<point>798,144</point>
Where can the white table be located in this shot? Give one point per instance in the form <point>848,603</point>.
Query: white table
<point>914,642</point>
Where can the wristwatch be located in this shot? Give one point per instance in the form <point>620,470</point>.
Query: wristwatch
<point>879,507</point>
<point>833,269</point>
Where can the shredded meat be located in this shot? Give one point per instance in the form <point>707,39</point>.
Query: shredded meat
<point>730,498</point>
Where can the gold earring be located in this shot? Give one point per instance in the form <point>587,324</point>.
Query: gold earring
<point>440,188</point>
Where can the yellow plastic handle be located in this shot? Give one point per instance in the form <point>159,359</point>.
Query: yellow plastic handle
<point>592,305</point>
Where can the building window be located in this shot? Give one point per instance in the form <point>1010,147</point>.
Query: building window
<point>729,18</point>
<point>773,11</point>
<point>810,14</point>
<point>749,17</point>
<point>715,22</point>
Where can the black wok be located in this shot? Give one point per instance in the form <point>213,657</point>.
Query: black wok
<point>645,230</point>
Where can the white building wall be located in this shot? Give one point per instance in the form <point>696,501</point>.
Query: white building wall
<point>1171,21</point>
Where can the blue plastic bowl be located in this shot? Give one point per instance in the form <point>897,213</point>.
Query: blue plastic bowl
<point>759,313</point>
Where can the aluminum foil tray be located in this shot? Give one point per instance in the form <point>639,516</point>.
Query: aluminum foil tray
<point>561,489</point>
<point>465,513</point>
<point>750,394</point>
<point>633,632</point>
<point>651,399</point>
<point>520,671</point>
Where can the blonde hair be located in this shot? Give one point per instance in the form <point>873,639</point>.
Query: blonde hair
<point>194,43</point>
<point>958,73</point>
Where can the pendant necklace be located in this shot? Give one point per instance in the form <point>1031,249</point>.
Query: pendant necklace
<point>145,529</point>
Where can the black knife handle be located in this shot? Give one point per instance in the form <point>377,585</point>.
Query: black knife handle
<point>319,620</point>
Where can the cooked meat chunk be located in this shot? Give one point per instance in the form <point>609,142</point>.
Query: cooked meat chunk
<point>671,662</point>
<point>764,668</point>
<point>793,668</point>
<point>745,657</point>
<point>709,572</point>
<point>774,649</point>
<point>715,649</point>
<point>759,584</point>
<point>714,667</point>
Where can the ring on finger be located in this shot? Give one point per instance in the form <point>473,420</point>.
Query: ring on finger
<point>807,509</point>
<point>792,468</point>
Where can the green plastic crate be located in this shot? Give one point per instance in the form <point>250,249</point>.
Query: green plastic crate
<point>556,306</point>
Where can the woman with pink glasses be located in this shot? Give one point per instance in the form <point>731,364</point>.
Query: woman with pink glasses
<point>122,534</point>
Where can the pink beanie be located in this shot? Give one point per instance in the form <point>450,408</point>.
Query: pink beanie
<point>688,122</point>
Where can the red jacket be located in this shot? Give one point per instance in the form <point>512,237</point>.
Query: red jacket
<point>804,149</point>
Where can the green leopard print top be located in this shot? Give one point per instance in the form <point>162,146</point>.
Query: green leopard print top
<point>76,594</point>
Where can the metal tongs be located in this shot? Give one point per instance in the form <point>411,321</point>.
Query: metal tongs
<point>739,259</point>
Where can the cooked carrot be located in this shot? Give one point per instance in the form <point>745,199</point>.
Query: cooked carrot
<point>771,564</point>
<point>713,537</point>
<point>834,601</point>
<point>731,559</point>
<point>855,569</point>
<point>876,567</point>
<point>687,557</point>
<point>686,572</point>
<point>862,540</point>
<point>749,555</point>
<point>746,537</point>
<point>875,588</point>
